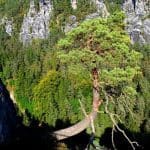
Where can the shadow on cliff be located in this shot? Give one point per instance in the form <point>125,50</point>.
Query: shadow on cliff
<point>15,135</point>
<point>121,143</point>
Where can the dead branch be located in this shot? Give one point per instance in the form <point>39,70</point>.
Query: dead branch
<point>85,114</point>
<point>82,108</point>
<point>116,125</point>
<point>112,137</point>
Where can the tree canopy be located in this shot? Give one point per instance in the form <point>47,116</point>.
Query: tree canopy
<point>51,76</point>
<point>103,44</point>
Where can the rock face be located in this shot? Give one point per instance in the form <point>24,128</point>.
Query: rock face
<point>138,20</point>
<point>8,117</point>
<point>71,24</point>
<point>8,25</point>
<point>74,4</point>
<point>101,10</point>
<point>36,23</point>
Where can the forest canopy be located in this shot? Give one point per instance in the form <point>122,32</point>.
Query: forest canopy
<point>49,77</point>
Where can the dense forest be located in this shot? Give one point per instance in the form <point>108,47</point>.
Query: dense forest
<point>51,78</point>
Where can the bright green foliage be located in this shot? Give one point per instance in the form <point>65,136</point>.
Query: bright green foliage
<point>49,94</point>
<point>51,97</point>
<point>103,43</point>
<point>46,95</point>
<point>61,12</point>
<point>25,66</point>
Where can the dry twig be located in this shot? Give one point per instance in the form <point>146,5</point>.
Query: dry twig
<point>115,125</point>
<point>84,112</point>
<point>112,137</point>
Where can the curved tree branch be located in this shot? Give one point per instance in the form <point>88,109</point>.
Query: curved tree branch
<point>75,129</point>
<point>82,125</point>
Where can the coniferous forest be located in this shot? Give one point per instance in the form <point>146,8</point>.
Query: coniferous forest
<point>60,80</point>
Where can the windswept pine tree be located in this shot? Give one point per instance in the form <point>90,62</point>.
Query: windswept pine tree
<point>91,73</point>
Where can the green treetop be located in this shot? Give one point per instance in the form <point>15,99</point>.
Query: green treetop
<point>103,44</point>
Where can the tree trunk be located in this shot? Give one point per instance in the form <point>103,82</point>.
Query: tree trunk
<point>82,125</point>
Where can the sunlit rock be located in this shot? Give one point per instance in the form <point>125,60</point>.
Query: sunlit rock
<point>8,25</point>
<point>92,16</point>
<point>74,4</point>
<point>137,20</point>
<point>36,23</point>
<point>101,8</point>
<point>101,11</point>
<point>72,23</point>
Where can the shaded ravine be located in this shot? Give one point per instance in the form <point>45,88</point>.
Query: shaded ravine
<point>82,125</point>
<point>14,134</point>
<point>74,129</point>
<point>8,119</point>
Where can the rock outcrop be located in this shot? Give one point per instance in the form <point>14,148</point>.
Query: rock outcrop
<point>138,20</point>
<point>36,23</point>
<point>74,4</point>
<point>8,25</point>
<point>101,8</point>
<point>101,11</point>
<point>71,24</point>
